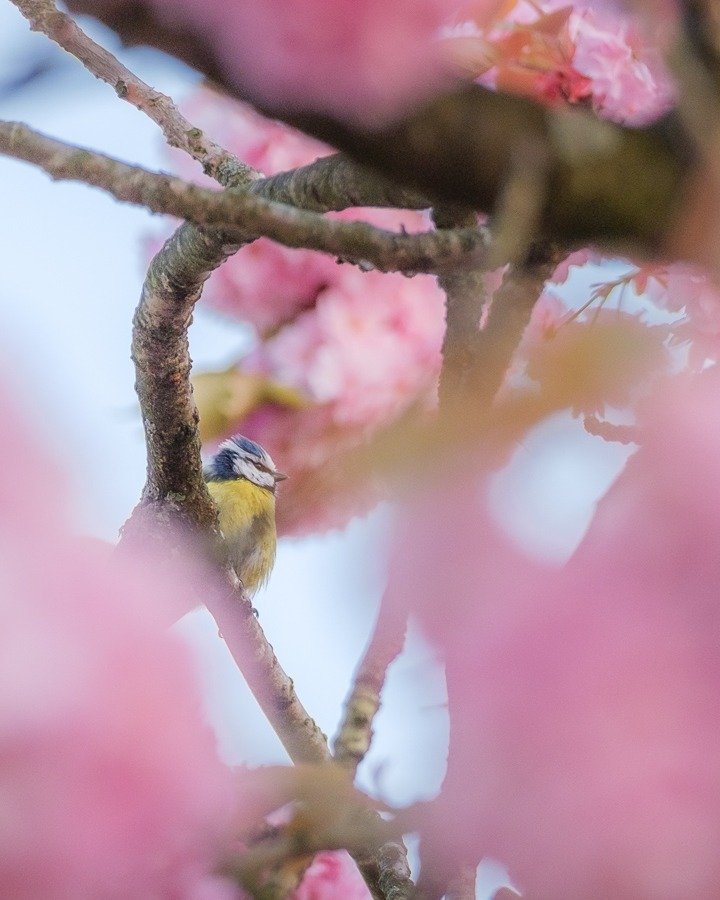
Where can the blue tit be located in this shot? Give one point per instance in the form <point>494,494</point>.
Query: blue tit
<point>241,479</point>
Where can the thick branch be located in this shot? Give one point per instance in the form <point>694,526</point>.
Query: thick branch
<point>162,369</point>
<point>243,216</point>
<point>335,183</point>
<point>44,16</point>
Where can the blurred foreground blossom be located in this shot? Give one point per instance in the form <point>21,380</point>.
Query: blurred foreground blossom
<point>364,61</point>
<point>331,876</point>
<point>109,781</point>
<point>583,701</point>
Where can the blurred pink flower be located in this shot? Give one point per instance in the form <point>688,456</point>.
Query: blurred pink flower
<point>370,346</point>
<point>581,51</point>
<point>583,701</point>
<point>367,351</point>
<point>332,876</point>
<point>109,778</point>
<point>630,82</point>
<point>365,61</point>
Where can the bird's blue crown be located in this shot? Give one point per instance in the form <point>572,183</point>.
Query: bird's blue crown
<point>224,465</point>
<point>250,446</point>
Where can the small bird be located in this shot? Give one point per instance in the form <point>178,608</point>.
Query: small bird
<point>241,478</point>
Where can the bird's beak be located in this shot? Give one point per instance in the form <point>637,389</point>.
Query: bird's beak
<point>279,476</point>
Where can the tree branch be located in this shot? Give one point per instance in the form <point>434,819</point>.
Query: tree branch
<point>174,486</point>
<point>336,183</point>
<point>44,16</point>
<point>243,216</point>
<point>271,686</point>
<point>475,360</point>
<point>355,733</point>
<point>465,297</point>
<point>331,183</point>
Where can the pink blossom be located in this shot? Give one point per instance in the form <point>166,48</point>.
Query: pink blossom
<point>363,61</point>
<point>583,701</point>
<point>109,776</point>
<point>630,82</point>
<point>580,51</point>
<point>267,284</point>
<point>331,876</point>
<point>368,350</point>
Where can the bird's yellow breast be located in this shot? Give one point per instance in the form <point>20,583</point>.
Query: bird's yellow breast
<point>246,516</point>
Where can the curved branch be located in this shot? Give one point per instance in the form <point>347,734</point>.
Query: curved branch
<point>355,733</point>
<point>174,488</point>
<point>273,689</point>
<point>243,216</point>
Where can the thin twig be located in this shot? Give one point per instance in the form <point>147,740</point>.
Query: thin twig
<point>44,16</point>
<point>243,216</point>
<point>355,734</point>
<point>271,686</point>
<point>509,315</point>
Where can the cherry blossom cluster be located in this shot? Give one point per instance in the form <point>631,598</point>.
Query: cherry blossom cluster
<point>579,52</point>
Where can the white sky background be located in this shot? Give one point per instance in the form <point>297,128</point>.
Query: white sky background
<point>71,270</point>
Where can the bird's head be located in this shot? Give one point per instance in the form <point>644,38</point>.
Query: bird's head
<point>239,457</point>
